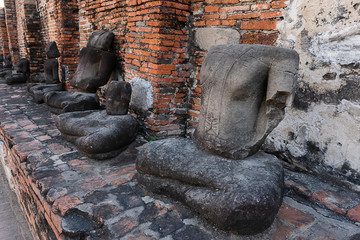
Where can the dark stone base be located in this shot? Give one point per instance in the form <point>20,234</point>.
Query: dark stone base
<point>37,78</point>
<point>61,102</point>
<point>242,196</point>
<point>37,91</point>
<point>17,78</point>
<point>5,72</point>
<point>96,134</point>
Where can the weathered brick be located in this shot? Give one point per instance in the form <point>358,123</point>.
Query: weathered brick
<point>278,4</point>
<point>124,226</point>
<point>331,200</point>
<point>259,25</point>
<point>211,9</point>
<point>259,38</point>
<point>261,6</point>
<point>295,216</point>
<point>235,8</point>
<point>354,214</point>
<point>244,15</point>
<point>152,211</point>
<point>266,15</point>
<point>65,203</point>
<point>92,184</point>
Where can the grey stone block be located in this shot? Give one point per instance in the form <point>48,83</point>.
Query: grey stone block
<point>142,95</point>
<point>208,37</point>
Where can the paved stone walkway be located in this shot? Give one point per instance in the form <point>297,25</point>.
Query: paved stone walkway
<point>13,225</point>
<point>78,198</point>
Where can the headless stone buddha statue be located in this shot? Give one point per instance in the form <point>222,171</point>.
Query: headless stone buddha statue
<point>6,66</point>
<point>96,63</point>
<point>7,61</point>
<point>51,65</point>
<point>221,174</point>
<point>51,73</point>
<point>245,89</point>
<point>102,134</point>
<point>21,74</point>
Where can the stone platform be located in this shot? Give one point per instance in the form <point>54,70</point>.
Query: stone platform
<point>65,195</point>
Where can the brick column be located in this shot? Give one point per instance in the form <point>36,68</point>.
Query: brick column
<point>157,52</point>
<point>28,32</point>
<point>33,36</point>
<point>68,28</point>
<point>4,47</point>
<point>10,16</point>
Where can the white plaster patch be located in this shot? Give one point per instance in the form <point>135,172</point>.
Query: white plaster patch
<point>336,130</point>
<point>342,47</point>
<point>326,34</point>
<point>208,37</point>
<point>323,31</point>
<point>141,95</point>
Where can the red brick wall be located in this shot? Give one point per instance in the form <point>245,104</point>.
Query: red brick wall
<point>28,30</point>
<point>68,42</point>
<point>254,20</point>
<point>154,35</point>
<point>151,41</point>
<point>59,23</point>
<point>11,22</point>
<point>20,26</point>
<point>48,15</point>
<point>155,40</point>
<point>157,51</point>
<point>4,46</point>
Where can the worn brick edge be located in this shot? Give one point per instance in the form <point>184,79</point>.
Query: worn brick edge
<point>43,223</point>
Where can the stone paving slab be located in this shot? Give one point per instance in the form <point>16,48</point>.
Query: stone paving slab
<point>68,196</point>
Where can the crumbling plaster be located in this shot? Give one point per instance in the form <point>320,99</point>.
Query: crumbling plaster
<point>321,129</point>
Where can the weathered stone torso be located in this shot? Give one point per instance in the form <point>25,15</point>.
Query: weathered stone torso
<point>240,83</point>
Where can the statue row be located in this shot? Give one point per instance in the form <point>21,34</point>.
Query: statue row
<point>220,173</point>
